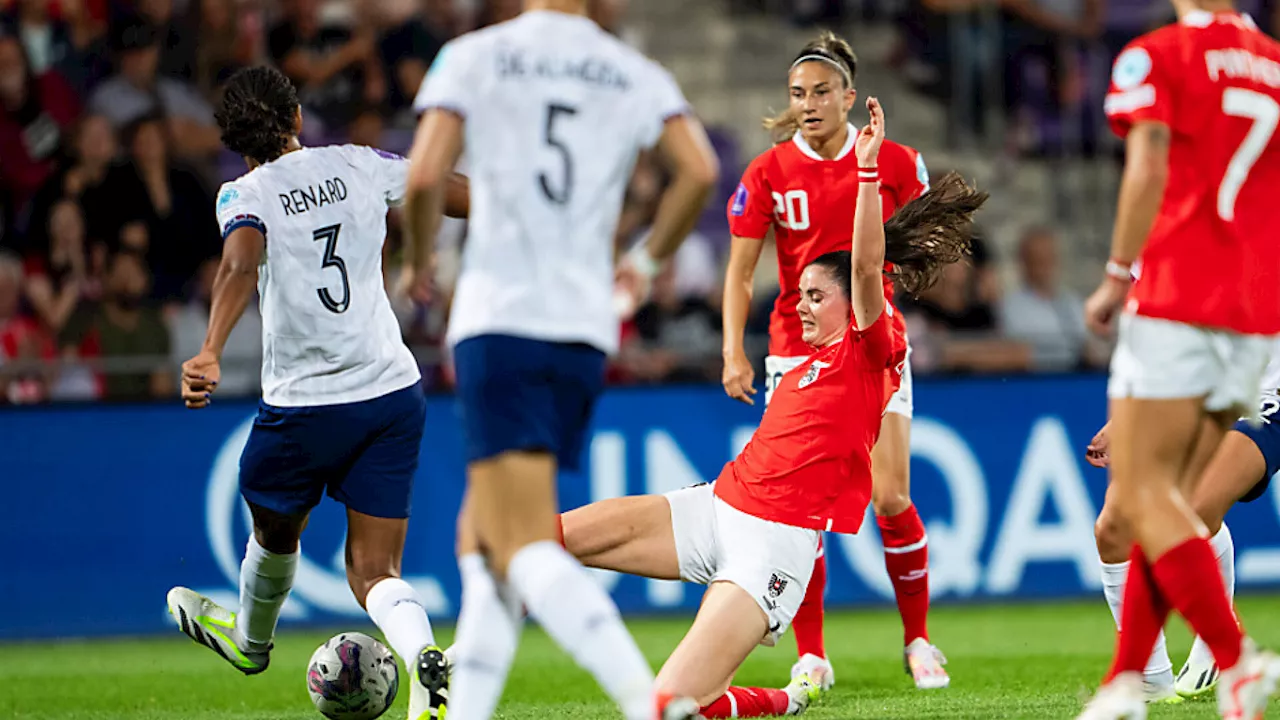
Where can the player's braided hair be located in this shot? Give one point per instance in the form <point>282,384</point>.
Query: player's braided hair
<point>921,238</point>
<point>828,47</point>
<point>257,113</point>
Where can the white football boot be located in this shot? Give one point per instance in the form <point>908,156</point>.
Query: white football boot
<point>1243,691</point>
<point>801,692</point>
<point>923,662</point>
<point>214,627</point>
<point>676,708</point>
<point>1199,674</point>
<point>817,668</point>
<point>1120,699</point>
<point>429,685</point>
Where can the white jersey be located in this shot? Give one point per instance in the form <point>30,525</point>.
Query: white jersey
<point>1271,377</point>
<point>556,111</point>
<point>329,335</point>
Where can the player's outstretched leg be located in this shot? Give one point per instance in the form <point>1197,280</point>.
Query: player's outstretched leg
<point>750,702</point>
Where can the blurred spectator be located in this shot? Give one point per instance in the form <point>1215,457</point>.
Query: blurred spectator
<point>229,40</point>
<point>1045,316</point>
<point>677,333</point>
<point>59,282</point>
<point>45,39</point>
<point>172,206</point>
<point>83,179</point>
<point>242,355</point>
<point>36,109</point>
<point>953,329</point>
<point>406,48</point>
<point>334,68</point>
<point>137,90</point>
<point>177,39</point>
<point>22,345</point>
<point>367,128</point>
<point>124,328</point>
<point>493,12</point>
<point>85,59</point>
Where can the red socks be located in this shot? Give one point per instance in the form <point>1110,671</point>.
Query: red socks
<point>1143,613</point>
<point>1181,580</point>
<point>807,623</point>
<point>906,557</point>
<point>745,702</point>
<point>1187,579</point>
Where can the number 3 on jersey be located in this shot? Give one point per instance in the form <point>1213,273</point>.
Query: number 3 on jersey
<point>1265,114</point>
<point>792,209</point>
<point>330,237</point>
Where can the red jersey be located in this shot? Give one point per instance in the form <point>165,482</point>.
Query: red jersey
<point>809,462</point>
<point>809,202</point>
<point>1211,258</point>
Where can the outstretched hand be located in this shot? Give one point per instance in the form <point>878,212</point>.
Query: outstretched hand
<point>867,147</point>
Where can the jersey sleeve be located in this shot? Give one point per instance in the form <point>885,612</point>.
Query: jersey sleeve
<point>1141,88</point>
<point>449,81</point>
<point>908,178</point>
<point>238,206</point>
<point>750,209</point>
<point>876,347</point>
<point>388,171</point>
<point>663,101</point>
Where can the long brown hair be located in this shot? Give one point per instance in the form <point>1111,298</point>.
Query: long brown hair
<point>922,237</point>
<point>830,47</point>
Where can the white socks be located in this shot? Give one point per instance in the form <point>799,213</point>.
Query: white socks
<point>397,610</point>
<point>583,620</point>
<point>485,643</point>
<point>265,581</point>
<point>1224,548</point>
<point>1159,670</point>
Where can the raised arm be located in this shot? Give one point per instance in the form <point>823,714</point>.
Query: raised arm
<point>867,289</point>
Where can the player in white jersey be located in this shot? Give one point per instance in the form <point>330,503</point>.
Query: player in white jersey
<point>1239,470</point>
<point>342,411</point>
<point>552,112</point>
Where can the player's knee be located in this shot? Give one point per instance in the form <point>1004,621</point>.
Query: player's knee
<point>1112,538</point>
<point>890,502</point>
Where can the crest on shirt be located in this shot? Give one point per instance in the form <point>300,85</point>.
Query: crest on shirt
<point>1131,68</point>
<point>739,201</point>
<point>777,585</point>
<point>226,197</point>
<point>811,374</point>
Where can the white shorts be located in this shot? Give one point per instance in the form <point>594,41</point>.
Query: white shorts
<point>716,542</point>
<point>900,402</point>
<point>1159,359</point>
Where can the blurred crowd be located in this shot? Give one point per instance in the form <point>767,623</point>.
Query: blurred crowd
<point>110,156</point>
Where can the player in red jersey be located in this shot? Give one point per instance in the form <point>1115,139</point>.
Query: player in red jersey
<point>804,189</point>
<point>752,535</point>
<point>1198,104</point>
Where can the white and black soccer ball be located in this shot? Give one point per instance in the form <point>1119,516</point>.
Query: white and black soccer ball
<point>352,677</point>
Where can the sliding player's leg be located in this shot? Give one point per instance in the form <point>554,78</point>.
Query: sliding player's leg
<point>631,535</point>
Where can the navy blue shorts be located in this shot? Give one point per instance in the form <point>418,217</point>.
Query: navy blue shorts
<point>363,454</point>
<point>521,394</point>
<point>1267,437</point>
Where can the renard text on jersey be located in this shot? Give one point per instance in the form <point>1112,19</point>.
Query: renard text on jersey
<point>299,200</point>
<point>516,64</point>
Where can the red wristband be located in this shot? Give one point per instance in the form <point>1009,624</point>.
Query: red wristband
<point>869,174</point>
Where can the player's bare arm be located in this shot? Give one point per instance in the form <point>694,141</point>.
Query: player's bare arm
<point>233,288</point>
<point>1146,172</point>
<point>685,148</point>
<point>436,149</point>
<point>739,376</point>
<point>457,196</point>
<point>868,224</point>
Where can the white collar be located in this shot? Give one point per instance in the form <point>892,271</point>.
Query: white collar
<point>848,144</point>
<point>1204,18</point>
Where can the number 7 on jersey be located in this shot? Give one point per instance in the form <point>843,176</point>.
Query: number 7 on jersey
<point>1265,114</point>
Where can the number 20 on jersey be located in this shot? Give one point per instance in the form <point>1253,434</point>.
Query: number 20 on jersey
<point>792,209</point>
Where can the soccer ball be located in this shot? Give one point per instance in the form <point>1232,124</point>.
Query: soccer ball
<point>352,677</point>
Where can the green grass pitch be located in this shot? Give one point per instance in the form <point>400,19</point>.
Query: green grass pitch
<point>1019,661</point>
